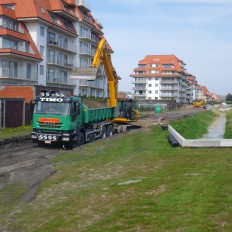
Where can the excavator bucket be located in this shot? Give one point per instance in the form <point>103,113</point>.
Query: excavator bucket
<point>89,74</point>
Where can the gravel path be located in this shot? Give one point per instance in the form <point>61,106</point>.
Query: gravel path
<point>29,164</point>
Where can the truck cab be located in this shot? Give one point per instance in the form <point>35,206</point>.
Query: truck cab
<point>56,118</point>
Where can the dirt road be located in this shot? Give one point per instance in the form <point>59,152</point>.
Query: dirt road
<point>29,164</point>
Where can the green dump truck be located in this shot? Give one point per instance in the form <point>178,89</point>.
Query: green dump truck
<point>67,121</point>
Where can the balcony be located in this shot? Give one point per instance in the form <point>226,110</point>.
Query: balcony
<point>168,82</point>
<point>140,88</point>
<point>12,27</point>
<point>89,37</point>
<point>19,75</point>
<point>86,52</point>
<point>140,81</point>
<point>83,5</point>
<point>60,64</point>
<point>140,94</point>
<point>60,80</point>
<point>62,47</point>
<point>174,88</point>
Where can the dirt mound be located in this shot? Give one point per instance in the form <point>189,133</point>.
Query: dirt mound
<point>94,103</point>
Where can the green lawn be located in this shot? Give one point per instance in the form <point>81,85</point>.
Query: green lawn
<point>131,182</point>
<point>196,126</point>
<point>19,131</point>
<point>228,130</point>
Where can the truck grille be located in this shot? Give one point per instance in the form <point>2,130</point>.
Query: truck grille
<point>46,125</point>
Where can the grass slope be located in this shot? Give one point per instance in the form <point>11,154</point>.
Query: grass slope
<point>196,126</point>
<point>228,129</point>
<point>131,182</point>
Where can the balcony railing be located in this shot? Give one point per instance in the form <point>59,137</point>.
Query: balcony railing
<point>59,80</point>
<point>139,88</point>
<point>12,27</point>
<point>86,51</point>
<point>140,94</point>
<point>66,47</point>
<point>169,82</point>
<point>168,88</point>
<point>20,75</point>
<point>140,82</point>
<point>64,64</point>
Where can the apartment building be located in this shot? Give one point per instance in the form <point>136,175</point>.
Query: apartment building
<point>160,77</point>
<point>191,90</point>
<point>41,41</point>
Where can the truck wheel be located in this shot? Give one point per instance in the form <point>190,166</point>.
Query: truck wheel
<point>109,131</point>
<point>103,132</point>
<point>80,139</point>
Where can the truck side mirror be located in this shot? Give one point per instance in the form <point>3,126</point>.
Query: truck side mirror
<point>76,108</point>
<point>32,104</point>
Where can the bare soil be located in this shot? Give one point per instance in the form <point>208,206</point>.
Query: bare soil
<point>29,164</point>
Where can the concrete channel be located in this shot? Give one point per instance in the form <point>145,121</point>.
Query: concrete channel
<point>214,137</point>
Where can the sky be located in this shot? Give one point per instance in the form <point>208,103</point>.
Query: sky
<point>199,32</point>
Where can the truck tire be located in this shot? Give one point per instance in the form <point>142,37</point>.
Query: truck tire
<point>80,139</point>
<point>103,132</point>
<point>109,131</point>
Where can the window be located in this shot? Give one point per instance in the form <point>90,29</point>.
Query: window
<point>149,91</point>
<point>51,37</point>
<point>7,43</point>
<point>62,77</point>
<point>51,56</point>
<point>154,65</point>
<point>10,6</point>
<point>153,71</point>
<point>9,68</point>
<point>84,32</point>
<point>84,47</point>
<point>27,47</point>
<point>41,70</point>
<point>28,71</point>
<point>142,65</point>
<point>156,92</point>
<point>156,85</point>
<point>42,31</point>
<point>51,75</point>
<point>42,51</point>
<point>150,85</point>
<point>156,78</point>
<point>167,66</point>
<point>84,62</point>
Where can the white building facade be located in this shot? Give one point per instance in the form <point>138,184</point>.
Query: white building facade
<point>160,77</point>
<point>41,45</point>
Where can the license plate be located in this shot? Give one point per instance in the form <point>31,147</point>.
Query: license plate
<point>48,142</point>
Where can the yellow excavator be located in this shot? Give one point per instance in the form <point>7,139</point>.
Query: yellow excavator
<point>103,56</point>
<point>199,103</point>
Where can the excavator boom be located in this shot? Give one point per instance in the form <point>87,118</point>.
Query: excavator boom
<point>102,55</point>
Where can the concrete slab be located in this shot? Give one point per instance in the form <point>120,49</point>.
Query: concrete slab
<point>199,142</point>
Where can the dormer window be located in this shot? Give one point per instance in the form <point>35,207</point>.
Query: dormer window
<point>10,6</point>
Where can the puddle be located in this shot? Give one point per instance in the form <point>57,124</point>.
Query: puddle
<point>217,129</point>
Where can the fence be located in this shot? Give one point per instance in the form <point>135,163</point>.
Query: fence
<point>14,113</point>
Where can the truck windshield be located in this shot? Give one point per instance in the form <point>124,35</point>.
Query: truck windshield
<point>61,108</point>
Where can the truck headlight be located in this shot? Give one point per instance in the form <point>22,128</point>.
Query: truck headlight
<point>34,136</point>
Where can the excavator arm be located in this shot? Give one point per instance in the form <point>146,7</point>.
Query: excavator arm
<point>103,55</point>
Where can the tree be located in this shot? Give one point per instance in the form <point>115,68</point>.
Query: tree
<point>229,97</point>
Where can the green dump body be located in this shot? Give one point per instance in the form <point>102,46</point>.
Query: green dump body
<point>98,114</point>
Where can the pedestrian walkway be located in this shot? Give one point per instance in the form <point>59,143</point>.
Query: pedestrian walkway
<point>217,129</point>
